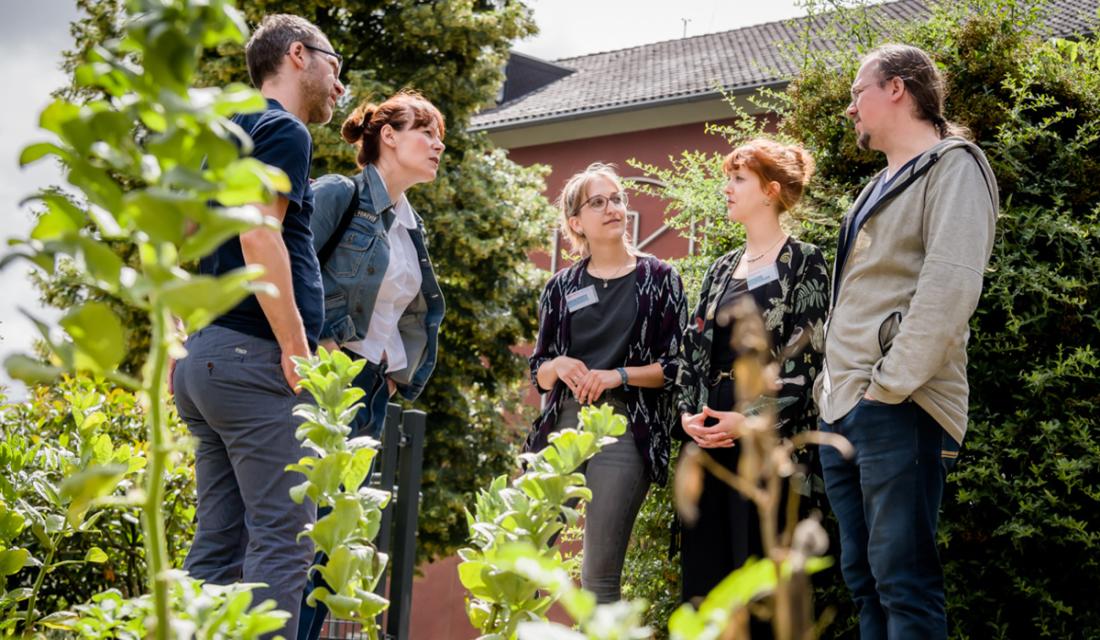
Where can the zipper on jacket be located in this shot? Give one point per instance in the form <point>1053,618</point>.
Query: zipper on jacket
<point>933,158</point>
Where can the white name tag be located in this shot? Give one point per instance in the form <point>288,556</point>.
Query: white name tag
<point>581,298</point>
<point>763,276</point>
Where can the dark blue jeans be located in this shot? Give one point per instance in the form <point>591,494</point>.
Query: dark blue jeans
<point>887,501</point>
<point>368,422</point>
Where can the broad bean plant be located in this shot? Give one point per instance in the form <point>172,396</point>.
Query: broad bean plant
<point>333,479</point>
<point>144,162</point>
<point>518,519</point>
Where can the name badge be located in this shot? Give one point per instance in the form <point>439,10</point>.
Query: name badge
<point>581,298</point>
<point>762,277</point>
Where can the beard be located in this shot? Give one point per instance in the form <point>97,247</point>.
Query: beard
<point>863,141</point>
<point>315,92</point>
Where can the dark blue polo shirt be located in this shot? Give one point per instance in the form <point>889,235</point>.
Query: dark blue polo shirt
<point>281,140</point>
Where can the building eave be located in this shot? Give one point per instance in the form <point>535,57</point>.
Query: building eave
<point>524,123</point>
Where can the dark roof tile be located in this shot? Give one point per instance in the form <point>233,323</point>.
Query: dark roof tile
<point>688,67</point>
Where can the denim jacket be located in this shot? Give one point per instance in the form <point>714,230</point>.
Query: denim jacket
<point>353,273</point>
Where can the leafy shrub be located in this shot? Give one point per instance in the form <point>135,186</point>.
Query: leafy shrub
<point>48,439</point>
<point>1020,528</point>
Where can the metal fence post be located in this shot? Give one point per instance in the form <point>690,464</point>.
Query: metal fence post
<point>406,513</point>
<point>399,468</point>
<point>387,457</point>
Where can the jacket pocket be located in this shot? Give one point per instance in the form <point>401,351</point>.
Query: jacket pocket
<point>348,258</point>
<point>888,330</point>
<point>341,329</point>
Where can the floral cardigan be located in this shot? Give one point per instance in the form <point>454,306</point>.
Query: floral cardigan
<point>655,337</point>
<point>798,302</point>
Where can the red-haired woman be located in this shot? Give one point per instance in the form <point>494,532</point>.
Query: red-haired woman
<point>382,300</point>
<point>789,283</point>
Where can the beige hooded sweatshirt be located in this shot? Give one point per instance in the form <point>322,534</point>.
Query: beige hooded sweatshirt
<point>903,297</point>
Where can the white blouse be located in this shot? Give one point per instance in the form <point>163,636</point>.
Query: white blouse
<point>400,286</point>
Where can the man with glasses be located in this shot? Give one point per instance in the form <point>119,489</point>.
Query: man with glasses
<point>907,278</point>
<point>237,387</point>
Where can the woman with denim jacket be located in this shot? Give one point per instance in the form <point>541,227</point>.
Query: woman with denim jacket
<point>382,300</point>
<point>788,282</point>
<point>609,332</point>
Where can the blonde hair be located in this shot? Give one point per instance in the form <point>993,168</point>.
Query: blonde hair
<point>572,197</point>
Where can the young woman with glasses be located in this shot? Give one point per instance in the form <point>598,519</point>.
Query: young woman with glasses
<point>609,332</point>
<point>788,281</point>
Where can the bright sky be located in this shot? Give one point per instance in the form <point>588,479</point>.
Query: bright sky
<point>575,27</point>
<point>36,33</point>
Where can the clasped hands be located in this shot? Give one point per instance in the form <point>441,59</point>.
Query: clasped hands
<point>586,384</point>
<point>717,436</point>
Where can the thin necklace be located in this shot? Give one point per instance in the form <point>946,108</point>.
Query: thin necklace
<point>614,275</point>
<point>766,251</point>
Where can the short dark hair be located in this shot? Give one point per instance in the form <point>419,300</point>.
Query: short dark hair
<point>271,41</point>
<point>922,80</point>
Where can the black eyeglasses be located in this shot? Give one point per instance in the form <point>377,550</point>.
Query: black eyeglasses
<point>339,58</point>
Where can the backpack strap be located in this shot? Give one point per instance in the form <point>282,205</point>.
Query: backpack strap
<point>345,221</point>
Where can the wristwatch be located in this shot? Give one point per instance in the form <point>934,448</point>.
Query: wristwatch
<point>622,374</point>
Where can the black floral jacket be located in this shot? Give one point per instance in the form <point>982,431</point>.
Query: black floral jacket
<point>658,329</point>
<point>799,302</point>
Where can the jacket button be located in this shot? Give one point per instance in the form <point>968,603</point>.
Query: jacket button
<point>370,269</point>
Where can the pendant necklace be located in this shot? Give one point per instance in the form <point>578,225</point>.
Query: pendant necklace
<point>765,252</point>
<point>614,275</point>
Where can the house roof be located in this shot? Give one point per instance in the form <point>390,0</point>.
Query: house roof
<point>691,68</point>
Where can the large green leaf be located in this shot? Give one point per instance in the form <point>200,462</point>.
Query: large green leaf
<point>757,577</point>
<point>98,336</point>
<point>249,181</point>
<point>34,152</point>
<point>31,370</point>
<point>238,98</point>
<point>229,27</point>
<point>61,217</point>
<point>338,526</point>
<point>357,467</point>
<point>82,489</point>
<point>12,560</point>
<point>11,523</point>
<point>102,264</point>
<point>57,114</point>
<point>217,151</point>
<point>218,226</point>
<point>345,565</point>
<point>201,299</point>
<point>160,214</point>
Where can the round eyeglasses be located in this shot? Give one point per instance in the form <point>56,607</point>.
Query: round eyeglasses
<point>599,202</point>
